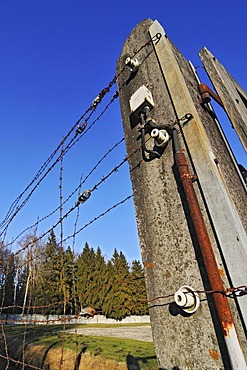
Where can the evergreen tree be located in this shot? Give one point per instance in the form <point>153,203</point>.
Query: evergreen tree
<point>139,304</point>
<point>51,279</point>
<point>100,279</point>
<point>68,260</point>
<point>85,282</point>
<point>118,299</point>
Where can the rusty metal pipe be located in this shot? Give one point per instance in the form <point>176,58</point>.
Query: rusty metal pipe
<point>221,302</point>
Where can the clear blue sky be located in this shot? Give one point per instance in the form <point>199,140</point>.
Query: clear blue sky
<point>55,57</point>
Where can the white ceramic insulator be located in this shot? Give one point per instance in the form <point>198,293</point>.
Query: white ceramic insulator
<point>184,299</point>
<point>161,137</point>
<point>187,298</point>
<point>133,64</point>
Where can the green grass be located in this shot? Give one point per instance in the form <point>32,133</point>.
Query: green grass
<point>53,336</point>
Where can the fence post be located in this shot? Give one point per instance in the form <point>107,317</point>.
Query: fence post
<point>170,251</point>
<point>232,95</point>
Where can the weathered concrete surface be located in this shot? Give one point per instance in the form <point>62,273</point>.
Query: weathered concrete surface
<point>169,250</point>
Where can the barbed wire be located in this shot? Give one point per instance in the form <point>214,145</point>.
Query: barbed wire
<point>90,109</point>
<point>104,178</point>
<point>68,237</point>
<point>227,292</point>
<point>38,178</point>
<point>18,362</point>
<point>5,344</point>
<point>66,149</point>
<point>69,197</point>
<point>60,302</point>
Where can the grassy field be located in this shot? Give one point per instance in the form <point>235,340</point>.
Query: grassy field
<point>47,347</point>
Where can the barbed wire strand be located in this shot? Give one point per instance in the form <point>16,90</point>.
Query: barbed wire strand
<point>242,289</point>
<point>5,345</point>
<point>104,178</point>
<point>66,149</point>
<point>73,271</point>
<point>17,362</point>
<point>15,203</point>
<point>92,109</point>
<point>70,195</point>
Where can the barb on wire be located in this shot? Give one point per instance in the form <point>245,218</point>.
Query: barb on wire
<point>14,206</point>
<point>5,345</point>
<point>80,128</point>
<point>114,170</point>
<point>241,288</point>
<point>68,237</point>
<point>23,364</point>
<point>72,142</point>
<point>70,196</point>
<point>99,216</point>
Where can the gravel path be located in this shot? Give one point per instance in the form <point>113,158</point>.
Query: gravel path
<point>142,333</point>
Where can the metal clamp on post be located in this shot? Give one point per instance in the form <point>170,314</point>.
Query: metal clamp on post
<point>147,126</point>
<point>141,103</point>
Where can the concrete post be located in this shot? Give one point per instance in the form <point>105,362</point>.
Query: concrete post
<point>170,252</point>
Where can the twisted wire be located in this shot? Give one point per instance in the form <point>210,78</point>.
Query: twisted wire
<point>114,170</point>
<point>70,195</point>
<point>91,109</point>
<point>228,292</point>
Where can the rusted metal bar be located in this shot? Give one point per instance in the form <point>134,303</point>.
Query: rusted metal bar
<point>221,302</point>
<point>207,94</point>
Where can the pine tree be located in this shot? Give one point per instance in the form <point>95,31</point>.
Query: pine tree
<point>51,276</point>
<point>85,283</point>
<point>138,290</point>
<point>99,281</point>
<point>117,300</point>
<point>68,260</point>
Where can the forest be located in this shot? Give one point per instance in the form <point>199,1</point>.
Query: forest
<point>48,279</point>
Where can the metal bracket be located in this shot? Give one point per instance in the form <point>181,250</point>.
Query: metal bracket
<point>206,94</point>
<point>148,125</point>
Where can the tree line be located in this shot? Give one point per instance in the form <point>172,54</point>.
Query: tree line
<point>49,279</point>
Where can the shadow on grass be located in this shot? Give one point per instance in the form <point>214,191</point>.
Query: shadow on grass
<point>133,363</point>
<point>78,358</point>
<point>46,353</point>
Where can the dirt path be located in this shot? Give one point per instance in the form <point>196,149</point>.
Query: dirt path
<point>142,333</point>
